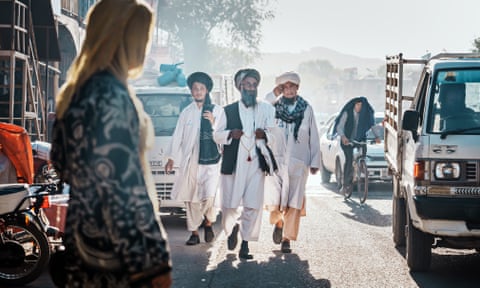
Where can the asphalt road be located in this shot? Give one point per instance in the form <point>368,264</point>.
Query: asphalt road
<point>341,244</point>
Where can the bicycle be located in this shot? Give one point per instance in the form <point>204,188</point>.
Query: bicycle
<point>360,171</point>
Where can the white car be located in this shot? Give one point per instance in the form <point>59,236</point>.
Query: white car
<point>333,158</point>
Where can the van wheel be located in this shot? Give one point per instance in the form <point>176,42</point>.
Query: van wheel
<point>399,217</point>
<point>325,174</point>
<point>419,248</point>
<point>338,173</point>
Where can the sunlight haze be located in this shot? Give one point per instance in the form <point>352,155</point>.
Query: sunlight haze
<point>373,28</point>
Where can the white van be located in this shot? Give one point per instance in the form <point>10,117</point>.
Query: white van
<point>164,105</point>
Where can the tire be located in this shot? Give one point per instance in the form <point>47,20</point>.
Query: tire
<point>338,173</point>
<point>362,181</point>
<point>36,258</point>
<point>419,248</point>
<point>325,174</point>
<point>399,216</point>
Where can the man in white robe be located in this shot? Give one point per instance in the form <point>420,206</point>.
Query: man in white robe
<point>297,150</point>
<point>197,155</point>
<point>242,128</point>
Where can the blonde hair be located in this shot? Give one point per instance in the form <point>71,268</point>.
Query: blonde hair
<point>117,38</point>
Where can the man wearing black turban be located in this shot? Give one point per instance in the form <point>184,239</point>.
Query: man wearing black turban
<point>243,130</point>
<point>197,155</point>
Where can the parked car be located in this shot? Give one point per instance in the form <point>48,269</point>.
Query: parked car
<point>324,125</point>
<point>333,158</point>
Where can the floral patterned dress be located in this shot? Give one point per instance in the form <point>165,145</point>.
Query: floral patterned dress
<point>96,146</point>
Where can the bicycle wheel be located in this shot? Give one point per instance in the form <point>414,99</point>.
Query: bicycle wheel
<point>362,180</point>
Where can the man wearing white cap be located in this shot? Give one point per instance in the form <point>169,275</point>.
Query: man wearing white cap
<point>243,130</point>
<point>297,151</point>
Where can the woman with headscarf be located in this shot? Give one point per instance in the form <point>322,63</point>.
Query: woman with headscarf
<point>297,150</point>
<point>113,235</point>
<point>193,149</point>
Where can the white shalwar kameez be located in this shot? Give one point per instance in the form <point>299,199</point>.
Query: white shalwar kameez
<point>245,187</point>
<point>195,184</point>
<point>294,158</point>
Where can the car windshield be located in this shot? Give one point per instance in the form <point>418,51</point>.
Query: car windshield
<point>164,109</point>
<point>455,105</point>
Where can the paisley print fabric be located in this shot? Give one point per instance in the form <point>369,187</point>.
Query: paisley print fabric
<point>109,203</point>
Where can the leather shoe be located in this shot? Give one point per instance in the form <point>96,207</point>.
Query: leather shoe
<point>277,234</point>
<point>193,240</point>
<point>243,254</point>
<point>209,235</point>
<point>286,247</point>
<point>233,238</point>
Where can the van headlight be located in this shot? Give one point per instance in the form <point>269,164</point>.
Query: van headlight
<point>447,170</point>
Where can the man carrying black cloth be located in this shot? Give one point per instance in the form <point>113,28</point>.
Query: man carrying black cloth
<point>244,131</point>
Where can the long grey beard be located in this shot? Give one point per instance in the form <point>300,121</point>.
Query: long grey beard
<point>249,98</point>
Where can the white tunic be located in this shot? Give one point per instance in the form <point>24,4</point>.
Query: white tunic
<point>294,159</point>
<point>245,187</point>
<point>194,182</point>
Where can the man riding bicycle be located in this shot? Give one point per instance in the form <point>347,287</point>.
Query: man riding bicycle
<point>353,122</point>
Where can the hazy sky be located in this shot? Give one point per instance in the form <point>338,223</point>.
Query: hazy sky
<point>373,28</point>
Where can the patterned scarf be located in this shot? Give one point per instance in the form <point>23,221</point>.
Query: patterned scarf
<point>296,116</point>
<point>208,148</point>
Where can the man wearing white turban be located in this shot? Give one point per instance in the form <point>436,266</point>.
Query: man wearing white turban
<point>297,151</point>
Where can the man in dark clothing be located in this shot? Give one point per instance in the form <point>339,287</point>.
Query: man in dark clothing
<point>353,122</point>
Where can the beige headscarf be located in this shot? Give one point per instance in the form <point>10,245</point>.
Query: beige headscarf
<point>117,39</point>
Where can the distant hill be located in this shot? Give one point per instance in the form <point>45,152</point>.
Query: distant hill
<point>325,99</point>
<point>275,63</point>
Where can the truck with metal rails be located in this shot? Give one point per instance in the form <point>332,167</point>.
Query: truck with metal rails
<point>432,148</point>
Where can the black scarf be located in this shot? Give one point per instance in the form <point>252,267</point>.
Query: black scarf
<point>296,116</point>
<point>208,148</point>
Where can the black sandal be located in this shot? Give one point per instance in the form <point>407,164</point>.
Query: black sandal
<point>193,240</point>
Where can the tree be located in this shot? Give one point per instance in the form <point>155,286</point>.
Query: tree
<point>476,43</point>
<point>320,68</point>
<point>196,26</point>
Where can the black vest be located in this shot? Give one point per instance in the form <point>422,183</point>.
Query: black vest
<point>230,152</point>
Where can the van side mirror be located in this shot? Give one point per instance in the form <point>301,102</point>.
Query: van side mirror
<point>410,122</point>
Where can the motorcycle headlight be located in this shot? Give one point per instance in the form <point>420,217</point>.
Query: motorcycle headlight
<point>447,170</point>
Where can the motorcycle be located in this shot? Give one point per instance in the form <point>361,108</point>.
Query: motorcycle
<point>26,238</point>
<point>25,244</point>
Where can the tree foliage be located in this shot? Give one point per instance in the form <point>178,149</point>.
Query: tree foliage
<point>476,44</point>
<point>320,68</point>
<point>197,25</point>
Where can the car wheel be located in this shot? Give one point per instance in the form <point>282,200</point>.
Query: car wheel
<point>325,174</point>
<point>419,248</point>
<point>398,215</point>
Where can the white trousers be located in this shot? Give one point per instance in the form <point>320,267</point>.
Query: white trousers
<point>250,221</point>
<point>198,210</point>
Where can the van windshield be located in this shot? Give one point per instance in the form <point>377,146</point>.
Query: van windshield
<point>164,109</point>
<point>455,105</point>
